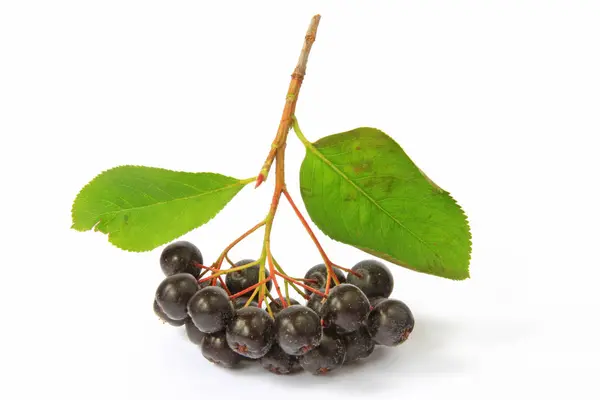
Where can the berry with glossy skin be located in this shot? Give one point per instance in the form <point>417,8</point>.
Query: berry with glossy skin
<point>180,257</point>
<point>193,333</point>
<point>173,294</point>
<point>209,283</point>
<point>165,318</point>
<point>390,322</point>
<point>210,309</point>
<point>376,300</point>
<point>239,302</point>
<point>298,330</point>
<point>315,303</point>
<point>358,344</point>
<point>240,280</point>
<point>277,306</point>
<point>375,278</point>
<point>346,307</point>
<point>329,355</point>
<point>319,273</point>
<point>279,362</point>
<point>215,349</point>
<point>251,332</point>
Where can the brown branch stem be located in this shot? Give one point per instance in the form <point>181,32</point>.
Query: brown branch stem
<point>290,102</point>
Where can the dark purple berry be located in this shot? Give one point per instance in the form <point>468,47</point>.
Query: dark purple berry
<point>240,280</point>
<point>174,292</point>
<point>346,307</point>
<point>165,318</point>
<point>297,330</point>
<point>251,332</point>
<point>390,322</point>
<point>319,273</point>
<point>277,306</point>
<point>358,344</point>
<point>215,349</point>
<point>193,333</point>
<point>210,309</point>
<point>239,302</point>
<point>329,355</point>
<point>375,278</point>
<point>209,283</point>
<point>279,362</point>
<point>180,257</point>
<point>315,303</point>
<point>376,300</point>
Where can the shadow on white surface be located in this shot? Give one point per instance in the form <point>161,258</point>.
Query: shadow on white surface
<point>422,354</point>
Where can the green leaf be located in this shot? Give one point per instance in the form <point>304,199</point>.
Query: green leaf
<point>361,188</point>
<point>141,208</point>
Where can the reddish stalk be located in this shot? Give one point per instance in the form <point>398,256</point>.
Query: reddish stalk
<point>311,289</point>
<point>275,283</point>
<point>305,280</point>
<point>216,272</point>
<point>328,263</point>
<point>219,261</point>
<point>200,266</point>
<point>347,270</point>
<point>202,274</point>
<point>243,292</point>
<point>224,285</point>
<point>277,155</point>
<point>312,235</point>
<point>254,293</point>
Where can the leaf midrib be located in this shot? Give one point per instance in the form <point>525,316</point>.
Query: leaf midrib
<point>242,183</point>
<point>320,155</point>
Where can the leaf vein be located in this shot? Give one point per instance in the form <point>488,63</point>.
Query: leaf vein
<point>159,203</point>
<point>364,193</point>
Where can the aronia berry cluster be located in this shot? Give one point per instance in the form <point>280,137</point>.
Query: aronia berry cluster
<point>320,336</point>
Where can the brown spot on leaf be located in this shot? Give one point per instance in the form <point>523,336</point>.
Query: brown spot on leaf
<point>363,166</point>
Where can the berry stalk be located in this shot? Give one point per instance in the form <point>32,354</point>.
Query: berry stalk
<point>224,254</point>
<point>277,155</point>
<point>277,152</point>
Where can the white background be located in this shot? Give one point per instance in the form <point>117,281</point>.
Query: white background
<point>497,101</point>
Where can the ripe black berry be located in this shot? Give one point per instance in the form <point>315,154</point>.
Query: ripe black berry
<point>390,322</point>
<point>279,362</point>
<point>239,302</point>
<point>215,349</point>
<point>358,344</point>
<point>174,292</point>
<point>277,306</point>
<point>165,318</point>
<point>240,280</point>
<point>329,355</point>
<point>209,283</point>
<point>297,330</point>
<point>315,303</point>
<point>375,278</point>
<point>346,307</point>
<point>193,333</point>
<point>319,273</point>
<point>180,257</point>
<point>376,300</point>
<point>251,332</point>
<point>210,309</point>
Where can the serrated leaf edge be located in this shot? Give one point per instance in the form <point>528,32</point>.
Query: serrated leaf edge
<point>242,182</point>
<point>311,147</point>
